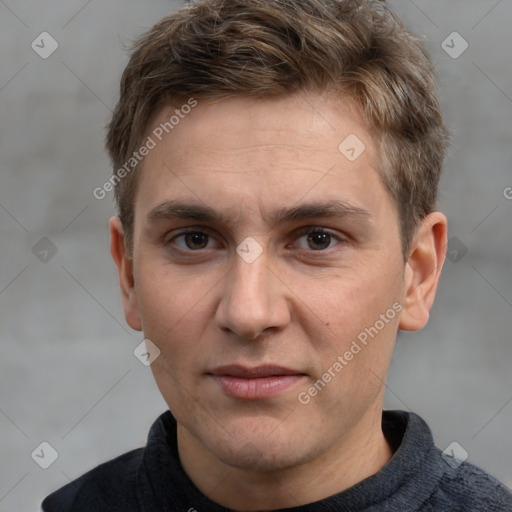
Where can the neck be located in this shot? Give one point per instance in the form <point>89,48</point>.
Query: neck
<point>360,453</point>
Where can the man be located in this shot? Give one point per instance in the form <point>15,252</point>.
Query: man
<point>276,166</point>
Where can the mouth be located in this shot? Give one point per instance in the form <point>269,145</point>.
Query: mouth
<point>256,382</point>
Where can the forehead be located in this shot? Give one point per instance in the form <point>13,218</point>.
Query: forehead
<point>244,153</point>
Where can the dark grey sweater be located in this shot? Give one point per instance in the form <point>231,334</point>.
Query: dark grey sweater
<point>151,479</point>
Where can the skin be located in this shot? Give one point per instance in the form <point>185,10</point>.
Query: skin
<point>300,304</point>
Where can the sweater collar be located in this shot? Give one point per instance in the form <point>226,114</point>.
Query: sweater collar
<point>410,476</point>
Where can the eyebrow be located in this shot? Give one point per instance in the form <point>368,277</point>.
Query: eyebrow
<point>191,211</point>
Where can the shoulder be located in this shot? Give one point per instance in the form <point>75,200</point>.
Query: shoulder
<point>109,486</point>
<point>470,488</point>
<point>436,483</point>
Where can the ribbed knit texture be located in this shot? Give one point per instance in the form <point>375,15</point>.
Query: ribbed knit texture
<point>151,479</point>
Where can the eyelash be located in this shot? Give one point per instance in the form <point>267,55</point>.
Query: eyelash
<point>308,230</point>
<point>319,231</point>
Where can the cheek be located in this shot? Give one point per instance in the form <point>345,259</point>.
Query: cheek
<point>176,322</point>
<point>357,315</point>
<point>353,300</point>
<point>353,354</point>
<point>174,313</point>
<point>165,296</point>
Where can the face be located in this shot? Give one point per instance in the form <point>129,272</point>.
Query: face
<point>262,259</point>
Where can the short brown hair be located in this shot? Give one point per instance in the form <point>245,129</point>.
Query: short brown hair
<point>214,49</point>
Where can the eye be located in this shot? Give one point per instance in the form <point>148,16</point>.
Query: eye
<point>316,239</point>
<point>192,240</point>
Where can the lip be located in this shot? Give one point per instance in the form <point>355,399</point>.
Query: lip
<point>253,383</point>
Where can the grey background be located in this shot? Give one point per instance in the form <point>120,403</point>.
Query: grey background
<point>68,373</point>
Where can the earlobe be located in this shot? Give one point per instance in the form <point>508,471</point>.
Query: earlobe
<point>124,266</point>
<point>422,271</point>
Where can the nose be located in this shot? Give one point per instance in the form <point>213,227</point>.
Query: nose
<point>253,300</point>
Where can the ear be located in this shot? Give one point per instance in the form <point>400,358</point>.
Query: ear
<point>124,266</point>
<point>422,270</point>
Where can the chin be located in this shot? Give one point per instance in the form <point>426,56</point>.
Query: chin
<point>260,446</point>
<point>263,458</point>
